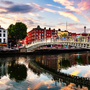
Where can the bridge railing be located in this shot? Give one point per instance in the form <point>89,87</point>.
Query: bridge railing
<point>58,40</point>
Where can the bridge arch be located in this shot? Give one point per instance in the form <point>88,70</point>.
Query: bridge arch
<point>31,47</point>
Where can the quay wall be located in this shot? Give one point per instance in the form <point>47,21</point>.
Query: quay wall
<point>39,51</point>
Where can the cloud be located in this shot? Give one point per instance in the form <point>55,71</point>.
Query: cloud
<point>6,18</point>
<point>53,6</point>
<point>71,8</point>
<point>37,6</point>
<point>60,25</point>
<point>2,9</point>
<point>7,2</point>
<point>21,8</point>
<point>81,7</point>
<point>68,14</point>
<point>49,10</point>
<point>84,5</point>
<point>87,18</point>
<point>69,5</point>
<point>74,24</point>
<point>32,14</point>
<point>64,2</point>
<point>64,13</point>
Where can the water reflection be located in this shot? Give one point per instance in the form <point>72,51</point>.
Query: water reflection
<point>17,72</point>
<point>45,72</point>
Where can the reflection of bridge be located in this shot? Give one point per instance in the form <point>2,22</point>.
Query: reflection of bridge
<point>85,44</point>
<point>58,76</point>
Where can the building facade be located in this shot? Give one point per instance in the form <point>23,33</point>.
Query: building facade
<point>39,33</point>
<point>62,33</point>
<point>3,36</point>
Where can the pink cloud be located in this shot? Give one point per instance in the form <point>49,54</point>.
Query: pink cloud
<point>38,6</point>
<point>53,6</point>
<point>49,10</point>
<point>84,4</point>
<point>69,5</point>
<point>64,2</point>
<point>69,15</point>
<point>87,18</point>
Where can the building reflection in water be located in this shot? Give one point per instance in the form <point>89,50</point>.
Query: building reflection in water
<point>49,60</point>
<point>57,62</point>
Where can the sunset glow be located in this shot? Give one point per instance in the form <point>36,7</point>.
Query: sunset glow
<point>49,14</point>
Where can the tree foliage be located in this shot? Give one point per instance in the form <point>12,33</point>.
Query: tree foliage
<point>64,35</point>
<point>17,31</point>
<point>17,72</point>
<point>79,60</point>
<point>65,63</point>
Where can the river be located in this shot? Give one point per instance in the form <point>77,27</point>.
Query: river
<point>62,71</point>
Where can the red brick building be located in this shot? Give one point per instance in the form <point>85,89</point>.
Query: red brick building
<point>38,33</point>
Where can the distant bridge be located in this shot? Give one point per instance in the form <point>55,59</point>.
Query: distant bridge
<point>79,44</point>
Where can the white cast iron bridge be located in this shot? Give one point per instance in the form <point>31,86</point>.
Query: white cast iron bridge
<point>84,44</point>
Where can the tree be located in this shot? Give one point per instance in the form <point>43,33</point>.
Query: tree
<point>65,63</point>
<point>64,35</point>
<point>79,60</point>
<point>17,72</point>
<point>17,31</point>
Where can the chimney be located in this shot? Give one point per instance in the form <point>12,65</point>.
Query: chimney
<point>49,28</point>
<point>44,27</point>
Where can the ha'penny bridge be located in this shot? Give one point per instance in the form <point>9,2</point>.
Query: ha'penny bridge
<point>59,76</point>
<point>81,43</point>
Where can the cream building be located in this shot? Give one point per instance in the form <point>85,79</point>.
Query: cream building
<point>60,33</point>
<point>3,36</point>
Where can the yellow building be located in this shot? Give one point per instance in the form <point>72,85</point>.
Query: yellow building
<point>62,33</point>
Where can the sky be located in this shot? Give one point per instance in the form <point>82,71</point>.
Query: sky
<point>52,14</point>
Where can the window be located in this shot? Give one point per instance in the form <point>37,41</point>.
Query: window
<point>4,31</point>
<point>0,35</point>
<point>39,33</point>
<point>42,33</point>
<point>36,33</point>
<point>47,34</point>
<point>39,30</point>
<point>42,30</point>
<point>3,35</point>
<point>0,40</point>
<point>4,40</point>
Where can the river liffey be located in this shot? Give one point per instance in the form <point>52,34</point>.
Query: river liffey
<point>63,71</point>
